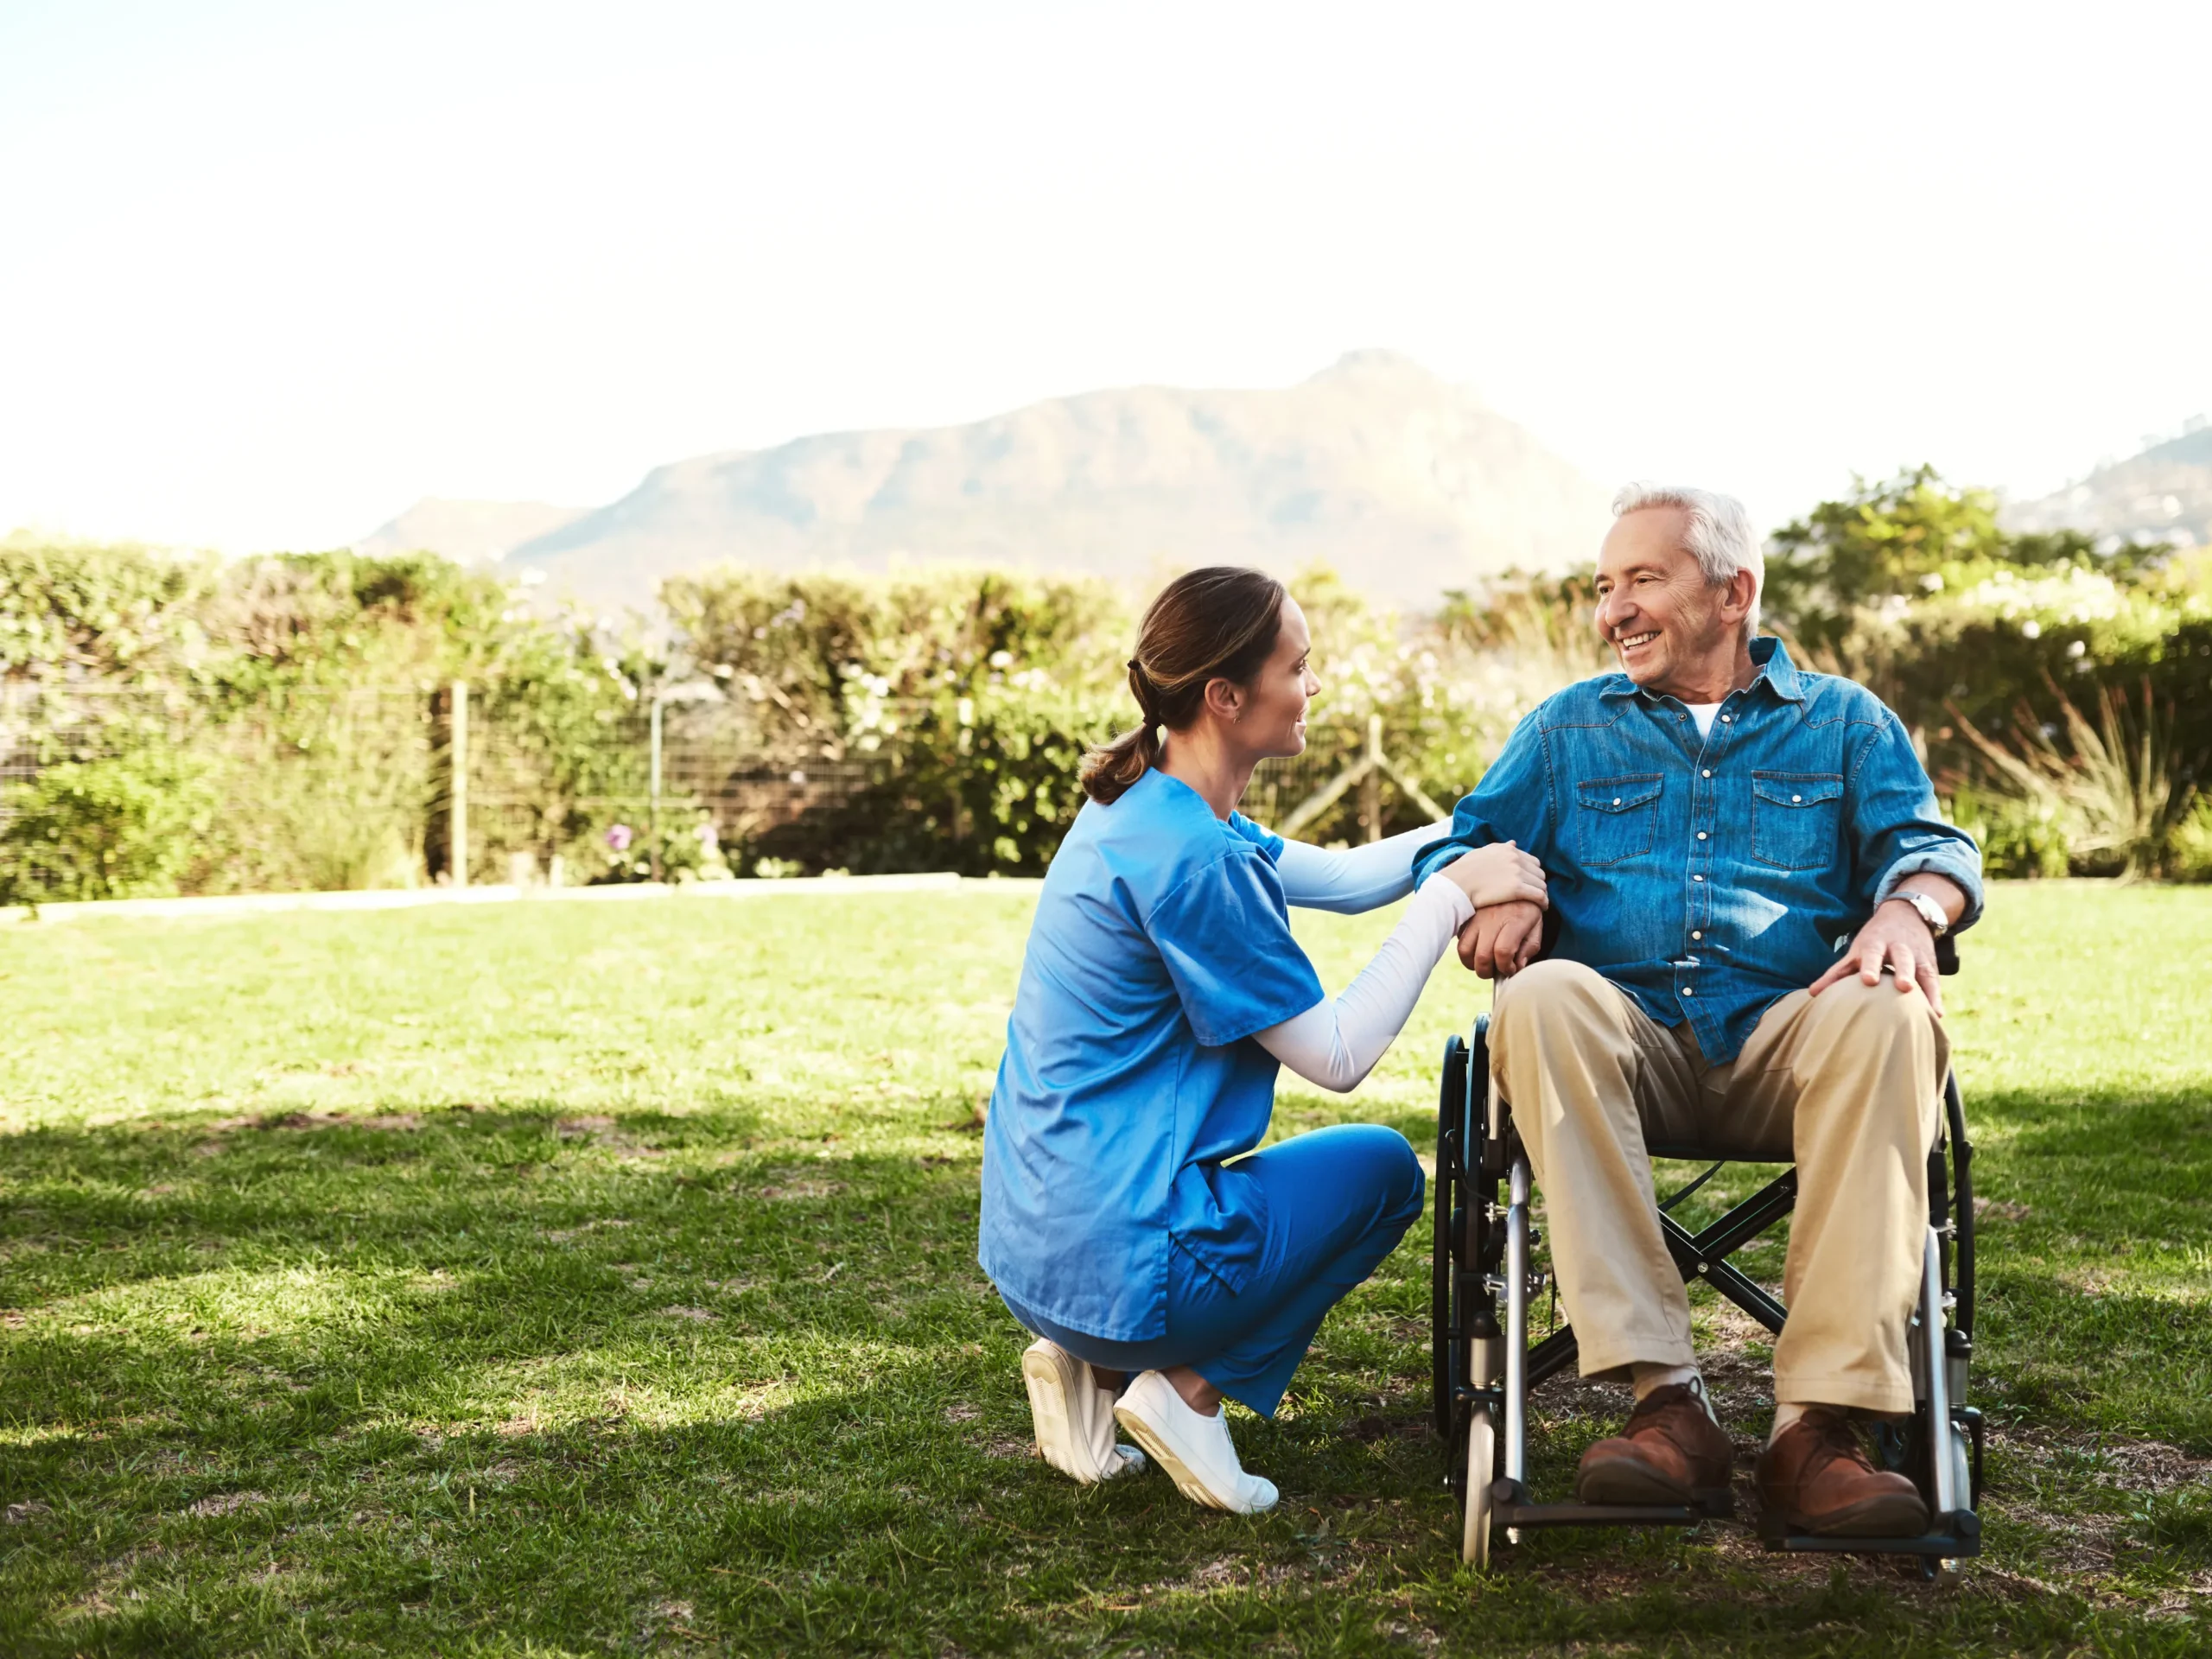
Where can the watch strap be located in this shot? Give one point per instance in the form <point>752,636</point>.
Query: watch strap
<point>1930,911</point>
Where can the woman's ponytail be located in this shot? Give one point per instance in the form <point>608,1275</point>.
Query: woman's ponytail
<point>1218,623</point>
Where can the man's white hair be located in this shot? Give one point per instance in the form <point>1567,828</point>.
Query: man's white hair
<point>1720,537</point>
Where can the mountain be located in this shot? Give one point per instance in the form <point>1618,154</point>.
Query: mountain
<point>2165,495</point>
<point>467,530</point>
<point>1406,484</point>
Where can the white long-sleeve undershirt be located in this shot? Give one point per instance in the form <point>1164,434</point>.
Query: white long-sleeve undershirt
<point>1350,880</point>
<point>1336,1044</point>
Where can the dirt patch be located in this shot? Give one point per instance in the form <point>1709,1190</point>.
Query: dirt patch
<point>562,1235</point>
<point>696,1315</point>
<point>792,1192</point>
<point>599,1130</point>
<point>17,1514</point>
<point>2107,1461</point>
<point>224,1504</point>
<point>400,1122</point>
<point>1396,1426</point>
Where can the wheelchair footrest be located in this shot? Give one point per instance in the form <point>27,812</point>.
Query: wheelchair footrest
<point>1511,1507</point>
<point>1957,1535</point>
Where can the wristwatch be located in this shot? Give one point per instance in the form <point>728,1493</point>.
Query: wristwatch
<point>1930,911</point>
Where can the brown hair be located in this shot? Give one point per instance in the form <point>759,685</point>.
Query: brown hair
<point>1216,623</point>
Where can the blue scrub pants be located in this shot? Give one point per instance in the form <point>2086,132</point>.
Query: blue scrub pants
<point>1338,1200</point>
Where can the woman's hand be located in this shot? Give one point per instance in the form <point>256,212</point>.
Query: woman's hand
<point>1499,874</point>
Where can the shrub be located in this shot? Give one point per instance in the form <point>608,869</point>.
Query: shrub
<point>2190,855</point>
<point>685,847</point>
<point>950,708</point>
<point>122,826</point>
<point>2018,836</point>
<point>2112,788</point>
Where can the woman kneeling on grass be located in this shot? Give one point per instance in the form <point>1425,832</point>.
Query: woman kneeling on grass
<point>1161,990</point>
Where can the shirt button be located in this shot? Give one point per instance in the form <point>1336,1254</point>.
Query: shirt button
<point>1709,772</point>
<point>1697,878</point>
<point>1695,934</point>
<point>1796,797</point>
<point>1686,991</point>
<point>1700,835</point>
<point>1617,800</point>
<point>1724,719</point>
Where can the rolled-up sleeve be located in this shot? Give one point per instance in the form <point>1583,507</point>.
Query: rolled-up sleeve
<point>1512,802</point>
<point>1898,829</point>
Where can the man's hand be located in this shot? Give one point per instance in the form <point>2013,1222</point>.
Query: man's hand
<point>1894,937</point>
<point>1503,939</point>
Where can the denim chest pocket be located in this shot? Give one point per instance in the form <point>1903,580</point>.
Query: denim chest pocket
<point>1795,818</point>
<point>1617,818</point>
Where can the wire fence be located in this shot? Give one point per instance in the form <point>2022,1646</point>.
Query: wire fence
<point>107,790</point>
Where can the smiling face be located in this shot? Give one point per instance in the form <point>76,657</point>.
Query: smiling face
<point>1272,704</point>
<point>1675,634</point>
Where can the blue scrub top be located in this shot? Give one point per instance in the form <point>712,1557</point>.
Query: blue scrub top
<point>1161,943</point>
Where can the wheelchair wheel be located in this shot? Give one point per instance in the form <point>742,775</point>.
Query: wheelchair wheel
<point>1447,1351</point>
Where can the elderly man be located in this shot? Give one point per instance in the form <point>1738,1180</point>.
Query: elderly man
<point>1714,820</point>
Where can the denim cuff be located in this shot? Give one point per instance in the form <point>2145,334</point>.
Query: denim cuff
<point>1953,867</point>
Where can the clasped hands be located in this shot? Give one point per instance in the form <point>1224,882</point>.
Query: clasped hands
<point>1510,894</point>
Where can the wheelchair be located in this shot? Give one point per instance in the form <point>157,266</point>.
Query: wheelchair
<point>1482,1284</point>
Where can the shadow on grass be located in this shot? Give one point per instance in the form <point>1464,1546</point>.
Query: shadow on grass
<point>505,1376</point>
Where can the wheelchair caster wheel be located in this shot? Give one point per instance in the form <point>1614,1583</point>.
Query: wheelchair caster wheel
<point>1482,1455</point>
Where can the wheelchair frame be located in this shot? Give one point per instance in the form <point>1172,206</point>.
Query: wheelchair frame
<point>1483,1367</point>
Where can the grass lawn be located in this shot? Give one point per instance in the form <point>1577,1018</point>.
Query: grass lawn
<point>587,1278</point>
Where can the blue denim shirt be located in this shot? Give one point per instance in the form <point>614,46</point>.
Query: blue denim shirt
<point>1708,877</point>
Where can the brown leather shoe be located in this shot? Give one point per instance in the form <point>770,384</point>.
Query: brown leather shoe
<point>1668,1453</point>
<point>1815,1477</point>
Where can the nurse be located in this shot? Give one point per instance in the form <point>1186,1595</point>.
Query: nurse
<point>1160,991</point>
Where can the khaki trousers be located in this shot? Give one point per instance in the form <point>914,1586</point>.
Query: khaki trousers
<point>1848,1083</point>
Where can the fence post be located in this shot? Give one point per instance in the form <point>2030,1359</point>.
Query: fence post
<point>457,786</point>
<point>653,788</point>
<point>1371,786</point>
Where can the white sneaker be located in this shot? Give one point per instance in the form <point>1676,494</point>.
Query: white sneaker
<point>1074,1417</point>
<point>1193,1448</point>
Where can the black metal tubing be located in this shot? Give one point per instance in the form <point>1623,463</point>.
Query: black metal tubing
<point>1745,1292</point>
<point>1443,1314</point>
<point>1958,1535</point>
<point>1683,1192</point>
<point>1745,1222</point>
<point>1513,1508</point>
<point>1553,1354</point>
<point>1703,1254</point>
<point>1954,1113</point>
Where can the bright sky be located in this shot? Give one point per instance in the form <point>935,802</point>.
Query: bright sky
<point>269,272</point>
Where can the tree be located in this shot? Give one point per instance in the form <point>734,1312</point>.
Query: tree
<point>1901,538</point>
